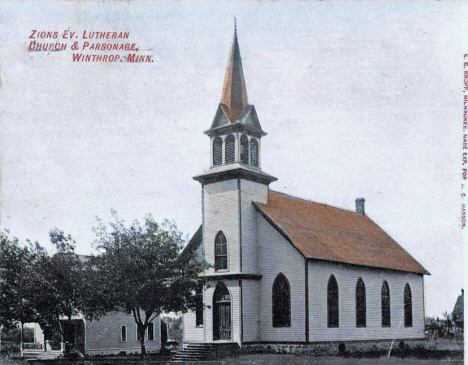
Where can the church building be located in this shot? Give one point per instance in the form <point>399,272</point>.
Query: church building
<point>285,269</point>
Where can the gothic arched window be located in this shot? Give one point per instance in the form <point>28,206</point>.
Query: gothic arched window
<point>360,303</point>
<point>408,307</point>
<point>220,252</point>
<point>385,305</point>
<point>254,152</point>
<point>333,302</point>
<point>244,149</point>
<point>217,151</point>
<point>230,149</point>
<point>281,302</point>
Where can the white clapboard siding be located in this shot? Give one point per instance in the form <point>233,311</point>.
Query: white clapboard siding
<point>276,255</point>
<point>103,336</point>
<point>221,213</point>
<point>250,309</point>
<point>250,192</point>
<point>347,276</point>
<point>192,333</point>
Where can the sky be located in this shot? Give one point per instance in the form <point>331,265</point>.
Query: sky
<point>359,99</point>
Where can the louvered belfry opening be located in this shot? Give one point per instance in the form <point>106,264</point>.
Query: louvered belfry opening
<point>217,151</point>
<point>244,149</point>
<point>254,152</point>
<point>230,149</point>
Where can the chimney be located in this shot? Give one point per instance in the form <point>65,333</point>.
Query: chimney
<point>360,206</point>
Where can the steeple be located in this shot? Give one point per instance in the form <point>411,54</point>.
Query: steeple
<point>234,108</point>
<point>234,98</point>
<point>235,132</point>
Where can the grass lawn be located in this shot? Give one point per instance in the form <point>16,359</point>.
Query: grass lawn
<point>274,359</point>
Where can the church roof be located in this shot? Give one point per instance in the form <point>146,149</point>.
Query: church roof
<point>323,232</point>
<point>234,107</point>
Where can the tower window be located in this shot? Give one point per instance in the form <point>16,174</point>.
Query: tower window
<point>220,252</point>
<point>230,149</point>
<point>360,304</point>
<point>244,149</point>
<point>333,302</point>
<point>281,302</point>
<point>385,305</point>
<point>254,152</point>
<point>408,307</point>
<point>217,151</point>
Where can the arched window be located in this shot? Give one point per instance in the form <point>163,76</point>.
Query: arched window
<point>244,149</point>
<point>199,306</point>
<point>281,302</point>
<point>220,252</point>
<point>254,152</point>
<point>385,305</point>
<point>408,307</point>
<point>230,149</point>
<point>333,303</point>
<point>217,151</point>
<point>360,303</point>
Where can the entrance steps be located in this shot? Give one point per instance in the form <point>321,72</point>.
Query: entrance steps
<point>205,352</point>
<point>41,355</point>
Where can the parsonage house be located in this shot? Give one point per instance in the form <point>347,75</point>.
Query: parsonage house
<point>288,270</point>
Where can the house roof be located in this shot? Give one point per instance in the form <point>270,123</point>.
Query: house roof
<point>459,305</point>
<point>194,242</point>
<point>320,231</point>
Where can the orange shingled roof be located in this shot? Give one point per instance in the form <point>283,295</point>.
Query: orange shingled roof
<point>323,232</point>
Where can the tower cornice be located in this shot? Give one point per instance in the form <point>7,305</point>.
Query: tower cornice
<point>234,171</point>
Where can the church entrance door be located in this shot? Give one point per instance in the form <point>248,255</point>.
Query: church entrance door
<point>221,313</point>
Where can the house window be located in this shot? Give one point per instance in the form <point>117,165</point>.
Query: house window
<point>333,302</point>
<point>254,152</point>
<point>408,307</point>
<point>281,302</point>
<point>217,151</point>
<point>385,305</point>
<point>230,149</point>
<point>220,252</point>
<point>123,334</point>
<point>151,331</point>
<point>244,149</point>
<point>360,304</point>
<point>199,306</point>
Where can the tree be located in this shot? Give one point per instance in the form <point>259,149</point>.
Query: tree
<point>143,271</point>
<point>43,288</point>
<point>19,284</point>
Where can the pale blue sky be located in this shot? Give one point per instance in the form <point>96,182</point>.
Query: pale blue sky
<point>358,98</point>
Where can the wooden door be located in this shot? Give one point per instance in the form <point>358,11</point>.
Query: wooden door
<point>221,314</point>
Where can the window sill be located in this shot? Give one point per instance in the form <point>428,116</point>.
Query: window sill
<point>201,326</point>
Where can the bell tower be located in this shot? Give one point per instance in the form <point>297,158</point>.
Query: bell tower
<point>235,132</point>
<point>230,185</point>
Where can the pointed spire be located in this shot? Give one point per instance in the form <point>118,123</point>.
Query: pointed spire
<point>234,96</point>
